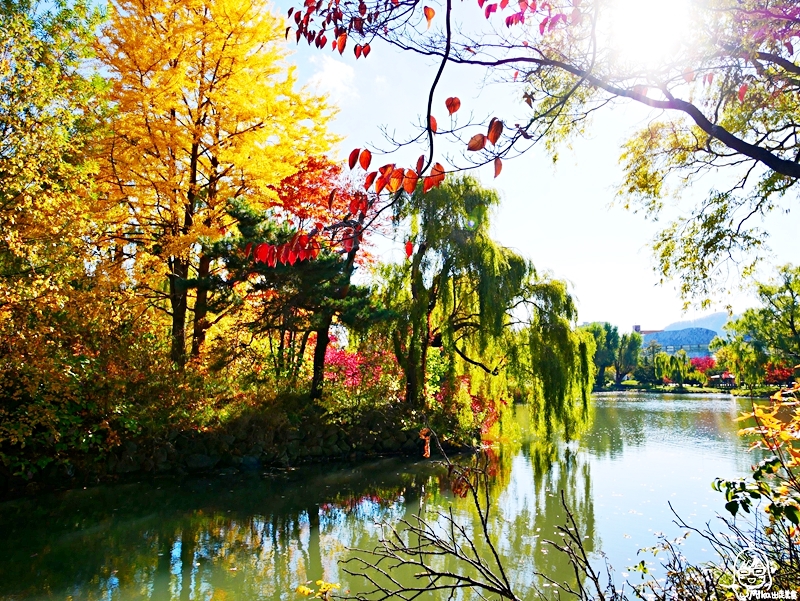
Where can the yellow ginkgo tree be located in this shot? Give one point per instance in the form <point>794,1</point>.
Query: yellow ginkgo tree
<point>207,113</point>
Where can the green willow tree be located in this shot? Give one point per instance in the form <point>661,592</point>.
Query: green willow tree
<point>606,341</point>
<point>482,305</point>
<point>627,356</point>
<point>673,367</point>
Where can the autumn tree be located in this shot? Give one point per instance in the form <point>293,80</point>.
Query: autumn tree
<point>49,112</point>
<point>725,88</point>
<point>292,296</point>
<point>207,113</point>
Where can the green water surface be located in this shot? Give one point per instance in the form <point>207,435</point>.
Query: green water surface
<point>256,536</point>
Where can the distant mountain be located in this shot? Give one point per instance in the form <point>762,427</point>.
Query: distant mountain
<point>715,321</point>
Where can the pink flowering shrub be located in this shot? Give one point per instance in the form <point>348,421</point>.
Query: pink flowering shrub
<point>703,364</point>
<point>367,375</point>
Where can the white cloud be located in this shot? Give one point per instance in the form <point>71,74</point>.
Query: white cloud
<point>334,78</point>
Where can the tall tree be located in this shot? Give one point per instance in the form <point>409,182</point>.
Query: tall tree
<point>606,339</point>
<point>766,334</point>
<point>774,327</point>
<point>207,112</point>
<point>627,356</point>
<point>49,112</point>
<point>726,88</point>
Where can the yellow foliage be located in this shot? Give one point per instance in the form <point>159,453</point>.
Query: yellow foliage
<point>207,114</point>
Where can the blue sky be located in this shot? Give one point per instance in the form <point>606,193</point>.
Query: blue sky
<point>560,216</point>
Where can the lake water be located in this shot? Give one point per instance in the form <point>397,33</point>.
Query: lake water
<point>256,536</point>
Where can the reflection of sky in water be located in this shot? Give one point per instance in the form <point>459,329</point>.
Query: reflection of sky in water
<point>256,538</point>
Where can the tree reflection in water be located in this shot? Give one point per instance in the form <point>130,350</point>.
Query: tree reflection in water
<point>258,537</point>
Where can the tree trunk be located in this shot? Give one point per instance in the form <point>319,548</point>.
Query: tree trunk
<point>601,376</point>
<point>320,349</point>
<point>201,306</point>
<point>178,301</point>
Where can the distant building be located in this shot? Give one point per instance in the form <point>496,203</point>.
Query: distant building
<point>694,341</point>
<point>639,330</point>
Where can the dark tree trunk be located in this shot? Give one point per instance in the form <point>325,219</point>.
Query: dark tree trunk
<point>201,306</point>
<point>601,376</point>
<point>178,301</point>
<point>318,377</point>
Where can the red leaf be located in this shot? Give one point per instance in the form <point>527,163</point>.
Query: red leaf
<point>396,180</point>
<point>365,159</point>
<point>429,13</point>
<point>498,166</point>
<point>341,41</point>
<point>409,249</point>
<point>365,50</point>
<point>495,129</point>
<point>369,179</point>
<point>420,163</point>
<point>353,157</point>
<point>476,142</point>
<point>437,171</point>
<point>347,241</point>
<point>434,179</point>
<point>432,121</point>
<point>742,92</point>
<point>410,182</point>
<point>283,253</point>
<point>452,104</point>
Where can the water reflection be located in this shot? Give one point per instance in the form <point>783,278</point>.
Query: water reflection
<point>254,537</point>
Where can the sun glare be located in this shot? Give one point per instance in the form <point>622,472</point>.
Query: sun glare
<point>644,33</point>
